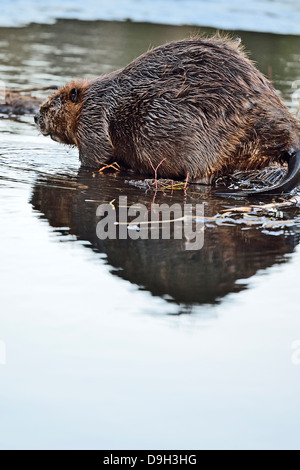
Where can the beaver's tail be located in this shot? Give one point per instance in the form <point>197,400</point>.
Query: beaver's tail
<point>289,182</point>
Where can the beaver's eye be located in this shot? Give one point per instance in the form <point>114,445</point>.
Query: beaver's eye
<point>52,104</point>
<point>73,95</point>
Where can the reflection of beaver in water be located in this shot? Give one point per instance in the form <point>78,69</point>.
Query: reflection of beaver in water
<point>163,267</point>
<point>200,105</point>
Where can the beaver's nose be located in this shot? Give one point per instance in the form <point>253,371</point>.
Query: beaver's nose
<point>36,118</point>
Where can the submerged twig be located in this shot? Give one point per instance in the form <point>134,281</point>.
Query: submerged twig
<point>265,207</point>
<point>115,166</point>
<point>186,183</point>
<point>155,170</point>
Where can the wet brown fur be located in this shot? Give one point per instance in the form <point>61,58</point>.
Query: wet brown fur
<point>199,103</point>
<point>59,116</point>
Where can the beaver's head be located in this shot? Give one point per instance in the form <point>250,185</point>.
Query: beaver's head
<point>58,116</point>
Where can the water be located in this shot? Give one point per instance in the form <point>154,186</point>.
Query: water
<point>136,344</point>
<point>273,16</point>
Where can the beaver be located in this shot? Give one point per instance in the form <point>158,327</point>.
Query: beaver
<point>197,108</point>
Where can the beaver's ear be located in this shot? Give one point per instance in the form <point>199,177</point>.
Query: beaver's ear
<point>73,95</point>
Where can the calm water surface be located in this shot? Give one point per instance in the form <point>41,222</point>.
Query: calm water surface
<point>136,343</point>
<point>274,16</point>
